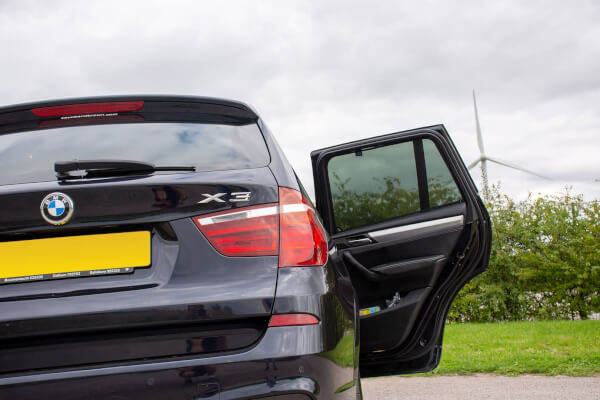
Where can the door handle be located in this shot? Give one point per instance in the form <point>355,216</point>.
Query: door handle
<point>359,241</point>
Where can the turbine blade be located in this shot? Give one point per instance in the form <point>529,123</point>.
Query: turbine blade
<point>474,163</point>
<point>513,166</point>
<point>477,126</point>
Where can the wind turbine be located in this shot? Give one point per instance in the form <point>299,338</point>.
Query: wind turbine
<point>483,158</point>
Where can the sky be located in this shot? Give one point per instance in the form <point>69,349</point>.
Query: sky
<point>326,72</point>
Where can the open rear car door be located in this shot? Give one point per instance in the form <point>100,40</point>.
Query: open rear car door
<point>410,230</point>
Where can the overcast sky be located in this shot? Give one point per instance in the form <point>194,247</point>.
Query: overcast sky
<point>323,73</point>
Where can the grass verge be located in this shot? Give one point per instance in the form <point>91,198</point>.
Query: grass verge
<point>510,348</point>
<point>514,348</point>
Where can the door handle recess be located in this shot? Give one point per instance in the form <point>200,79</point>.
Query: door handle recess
<point>370,275</point>
<point>359,241</point>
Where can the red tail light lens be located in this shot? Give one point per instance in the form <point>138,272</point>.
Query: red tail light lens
<point>90,108</point>
<point>290,230</point>
<point>252,231</point>
<point>292,320</point>
<point>302,238</point>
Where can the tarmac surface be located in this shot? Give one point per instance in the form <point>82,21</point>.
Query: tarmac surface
<point>482,387</point>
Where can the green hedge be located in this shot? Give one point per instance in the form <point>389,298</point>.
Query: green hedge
<point>545,262</point>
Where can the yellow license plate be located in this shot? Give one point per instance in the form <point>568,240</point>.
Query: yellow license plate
<point>73,256</point>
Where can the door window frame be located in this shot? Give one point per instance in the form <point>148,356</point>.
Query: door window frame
<point>322,184</point>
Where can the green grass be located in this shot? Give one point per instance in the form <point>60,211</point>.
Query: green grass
<point>510,348</point>
<point>343,352</point>
<point>513,348</point>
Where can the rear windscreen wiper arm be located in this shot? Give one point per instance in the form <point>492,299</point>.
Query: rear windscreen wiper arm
<point>95,168</point>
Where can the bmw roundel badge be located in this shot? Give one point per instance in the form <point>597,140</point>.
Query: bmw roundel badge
<point>57,208</point>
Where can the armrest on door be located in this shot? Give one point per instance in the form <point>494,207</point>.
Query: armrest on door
<point>408,267</point>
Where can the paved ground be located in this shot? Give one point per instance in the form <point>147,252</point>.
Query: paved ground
<point>482,387</point>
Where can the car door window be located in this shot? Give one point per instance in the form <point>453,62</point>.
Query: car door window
<point>380,183</point>
<point>372,185</point>
<point>441,186</point>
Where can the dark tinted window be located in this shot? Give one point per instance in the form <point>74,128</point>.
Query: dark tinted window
<point>442,188</point>
<point>30,156</point>
<point>381,183</point>
<point>373,185</point>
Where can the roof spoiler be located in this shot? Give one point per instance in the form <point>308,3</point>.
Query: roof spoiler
<point>122,109</point>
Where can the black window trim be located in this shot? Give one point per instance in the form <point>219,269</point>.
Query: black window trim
<point>421,174</point>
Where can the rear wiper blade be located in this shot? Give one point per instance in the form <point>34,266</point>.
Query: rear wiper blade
<point>96,168</point>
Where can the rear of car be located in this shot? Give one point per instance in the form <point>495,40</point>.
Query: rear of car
<point>161,247</point>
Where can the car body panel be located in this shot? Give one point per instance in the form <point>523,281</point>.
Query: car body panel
<point>286,360</point>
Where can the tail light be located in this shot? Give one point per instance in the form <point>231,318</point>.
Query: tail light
<point>90,108</point>
<point>302,238</point>
<point>251,231</point>
<point>289,229</point>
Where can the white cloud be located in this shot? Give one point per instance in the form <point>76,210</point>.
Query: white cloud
<point>330,72</point>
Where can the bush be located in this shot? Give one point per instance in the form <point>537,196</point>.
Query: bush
<point>545,261</point>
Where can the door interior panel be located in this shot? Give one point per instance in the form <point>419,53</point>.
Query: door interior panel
<point>403,262</point>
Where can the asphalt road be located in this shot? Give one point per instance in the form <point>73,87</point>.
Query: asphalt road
<point>482,387</point>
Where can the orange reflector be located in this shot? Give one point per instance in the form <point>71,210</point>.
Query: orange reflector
<point>293,320</point>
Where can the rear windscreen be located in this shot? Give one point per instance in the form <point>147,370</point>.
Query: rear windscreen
<point>30,156</point>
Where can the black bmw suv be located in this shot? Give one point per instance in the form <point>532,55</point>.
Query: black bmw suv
<point>162,247</point>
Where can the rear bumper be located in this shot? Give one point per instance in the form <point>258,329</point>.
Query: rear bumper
<point>288,362</point>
